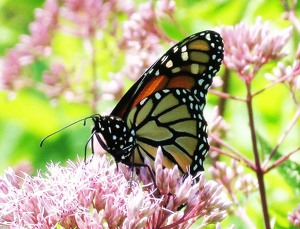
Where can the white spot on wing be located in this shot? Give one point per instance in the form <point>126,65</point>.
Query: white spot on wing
<point>169,64</point>
<point>143,101</point>
<point>157,95</point>
<point>208,37</point>
<point>200,82</point>
<point>184,56</point>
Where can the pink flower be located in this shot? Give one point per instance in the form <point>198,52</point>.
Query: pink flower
<point>10,69</point>
<point>233,178</point>
<point>248,48</point>
<point>288,74</point>
<point>96,195</point>
<point>294,217</point>
<point>217,124</point>
<point>56,80</point>
<point>166,8</point>
<point>41,30</point>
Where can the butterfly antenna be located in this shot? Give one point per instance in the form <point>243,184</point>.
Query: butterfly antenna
<point>84,122</point>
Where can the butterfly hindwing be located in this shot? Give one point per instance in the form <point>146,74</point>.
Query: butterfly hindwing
<point>175,124</point>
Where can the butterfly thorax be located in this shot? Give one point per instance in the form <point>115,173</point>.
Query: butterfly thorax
<point>114,136</point>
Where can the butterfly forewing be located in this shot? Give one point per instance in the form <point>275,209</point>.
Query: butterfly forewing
<point>181,66</point>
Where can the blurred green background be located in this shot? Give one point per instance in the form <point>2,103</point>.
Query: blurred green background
<point>27,116</point>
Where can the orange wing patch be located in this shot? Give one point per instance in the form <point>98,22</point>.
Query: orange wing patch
<point>181,81</point>
<point>199,45</point>
<point>155,84</point>
<point>163,82</point>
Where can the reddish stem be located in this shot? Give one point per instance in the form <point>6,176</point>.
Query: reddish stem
<point>281,160</point>
<point>259,170</point>
<point>236,154</point>
<point>281,139</point>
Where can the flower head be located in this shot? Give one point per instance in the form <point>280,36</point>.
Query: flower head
<point>248,48</point>
<point>233,177</point>
<point>96,195</point>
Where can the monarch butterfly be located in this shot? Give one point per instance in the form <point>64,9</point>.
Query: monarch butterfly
<point>164,108</point>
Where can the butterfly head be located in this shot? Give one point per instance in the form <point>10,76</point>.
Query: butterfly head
<point>114,136</point>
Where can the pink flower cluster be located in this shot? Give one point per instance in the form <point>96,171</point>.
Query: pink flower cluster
<point>96,195</point>
<point>142,36</point>
<point>30,47</point>
<point>141,41</point>
<point>132,30</point>
<point>233,178</point>
<point>288,74</point>
<point>248,48</point>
